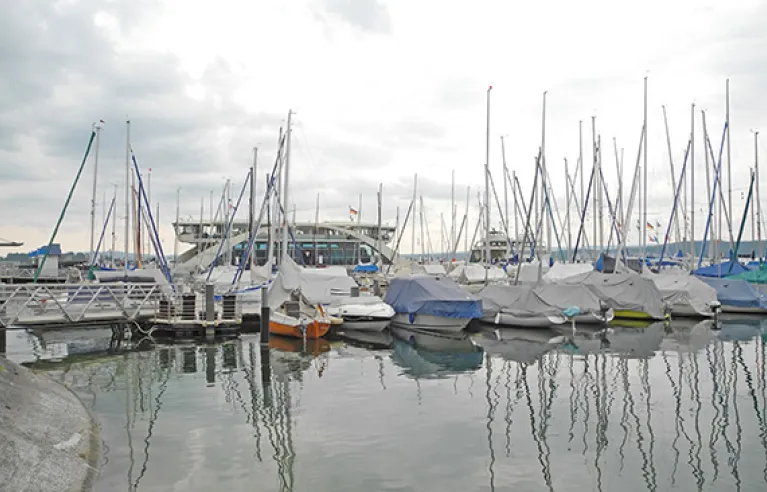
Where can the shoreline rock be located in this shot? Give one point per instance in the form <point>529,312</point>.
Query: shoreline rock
<point>49,440</point>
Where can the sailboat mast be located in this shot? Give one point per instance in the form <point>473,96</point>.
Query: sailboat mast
<point>379,241</point>
<point>692,181</point>
<point>114,231</point>
<point>286,184</point>
<point>466,214</point>
<point>453,231</point>
<point>97,128</point>
<point>175,240</point>
<point>487,186</point>
<point>544,176</point>
<point>127,194</point>
<point>595,184</point>
<point>729,163</point>
<point>758,197</point>
<point>412,239</point>
<point>582,198</point>
<point>567,211</point>
<point>423,245</point>
<point>505,184</point>
<point>644,180</point>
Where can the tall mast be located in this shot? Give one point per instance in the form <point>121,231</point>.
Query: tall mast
<point>487,186</point>
<point>692,180</point>
<point>175,241</point>
<point>729,163</point>
<point>146,245</point>
<point>114,230</point>
<point>423,243</point>
<point>127,194</point>
<point>379,241</point>
<point>505,185</point>
<point>252,208</point>
<point>466,245</point>
<point>758,196</point>
<point>582,199</point>
<point>412,239</point>
<point>516,206</point>
<point>567,212</point>
<point>286,184</point>
<point>95,184</point>
<point>643,226</point>
<point>453,231</point>
<point>595,184</point>
<point>544,175</point>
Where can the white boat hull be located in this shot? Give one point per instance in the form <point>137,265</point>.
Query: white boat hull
<point>427,322</point>
<point>542,321</point>
<point>743,310</point>
<point>366,324</point>
<point>687,311</point>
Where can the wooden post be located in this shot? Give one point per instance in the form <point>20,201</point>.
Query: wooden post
<point>264,319</point>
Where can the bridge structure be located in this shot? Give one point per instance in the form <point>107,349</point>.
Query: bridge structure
<point>327,243</point>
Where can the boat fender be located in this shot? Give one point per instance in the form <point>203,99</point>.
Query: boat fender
<point>411,318</point>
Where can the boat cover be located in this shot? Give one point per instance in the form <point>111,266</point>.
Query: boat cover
<point>755,276</point>
<point>736,292</point>
<point>721,270</point>
<point>622,291</point>
<point>682,289</point>
<point>529,273</point>
<point>366,268</point>
<point>562,271</point>
<point>432,296</point>
<point>541,300</point>
<point>474,274</point>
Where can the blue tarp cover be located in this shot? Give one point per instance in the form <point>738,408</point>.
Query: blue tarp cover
<point>436,296</point>
<point>736,292</point>
<point>370,267</point>
<point>713,270</point>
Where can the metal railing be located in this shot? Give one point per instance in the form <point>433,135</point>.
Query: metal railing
<point>37,304</point>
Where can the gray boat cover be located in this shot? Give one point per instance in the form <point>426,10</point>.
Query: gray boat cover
<point>622,291</point>
<point>316,286</point>
<point>683,289</point>
<point>540,300</point>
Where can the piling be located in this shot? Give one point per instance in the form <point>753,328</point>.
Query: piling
<point>3,333</point>
<point>264,319</point>
<point>210,365</point>
<point>210,310</point>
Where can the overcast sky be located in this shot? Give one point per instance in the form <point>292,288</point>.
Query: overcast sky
<point>382,90</point>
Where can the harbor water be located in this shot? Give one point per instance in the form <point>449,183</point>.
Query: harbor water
<point>677,406</point>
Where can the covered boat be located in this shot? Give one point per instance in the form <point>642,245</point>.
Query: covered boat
<point>431,304</point>
<point>738,296</point>
<point>628,294</point>
<point>685,294</point>
<point>541,306</point>
<point>724,269</point>
<point>334,290</point>
<point>292,314</point>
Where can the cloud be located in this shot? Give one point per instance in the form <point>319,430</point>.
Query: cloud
<point>367,15</point>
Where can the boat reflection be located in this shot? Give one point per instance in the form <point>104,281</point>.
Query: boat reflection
<point>428,355</point>
<point>367,339</point>
<point>742,329</point>
<point>519,344</point>
<point>619,340</point>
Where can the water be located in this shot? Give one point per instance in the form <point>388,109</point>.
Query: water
<point>678,407</point>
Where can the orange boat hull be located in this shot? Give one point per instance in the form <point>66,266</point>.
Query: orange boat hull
<point>315,329</point>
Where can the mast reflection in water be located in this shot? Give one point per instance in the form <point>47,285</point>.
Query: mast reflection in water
<point>637,408</point>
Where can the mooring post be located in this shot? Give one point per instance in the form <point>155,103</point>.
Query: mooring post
<point>264,317</point>
<point>210,310</point>
<point>3,332</point>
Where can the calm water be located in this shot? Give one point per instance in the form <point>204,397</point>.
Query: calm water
<point>678,407</point>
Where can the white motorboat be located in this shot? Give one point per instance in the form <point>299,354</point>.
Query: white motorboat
<point>363,313</point>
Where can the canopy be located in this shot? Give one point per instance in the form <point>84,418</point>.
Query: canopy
<point>721,270</point>
<point>736,292</point>
<point>433,296</point>
<point>543,299</point>
<point>682,289</point>
<point>622,291</point>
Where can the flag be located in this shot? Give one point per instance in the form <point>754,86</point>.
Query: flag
<point>649,226</point>
<point>352,213</point>
<point>653,239</point>
<point>657,224</point>
<point>102,121</point>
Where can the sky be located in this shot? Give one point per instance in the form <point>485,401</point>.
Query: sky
<point>381,90</point>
